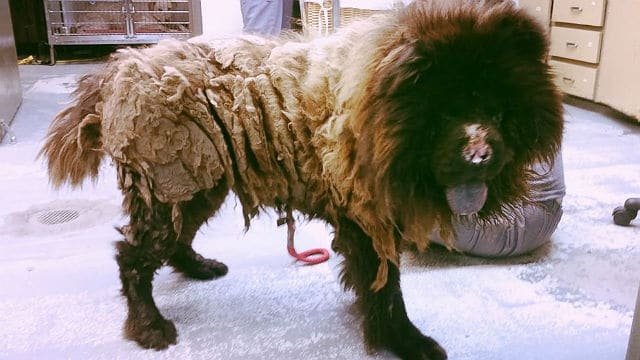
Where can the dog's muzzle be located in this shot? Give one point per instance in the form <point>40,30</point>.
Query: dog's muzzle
<point>477,151</point>
<point>468,198</point>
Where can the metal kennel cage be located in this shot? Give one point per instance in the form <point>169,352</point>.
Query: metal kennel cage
<point>83,22</point>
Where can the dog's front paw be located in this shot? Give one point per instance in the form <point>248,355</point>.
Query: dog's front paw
<point>205,269</point>
<point>196,266</point>
<point>157,334</point>
<point>418,348</point>
<point>405,340</point>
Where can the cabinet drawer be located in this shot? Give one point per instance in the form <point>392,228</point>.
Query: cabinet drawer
<point>577,44</point>
<point>583,12</point>
<point>575,79</point>
<point>540,9</point>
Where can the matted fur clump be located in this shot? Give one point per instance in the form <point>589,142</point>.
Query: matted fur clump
<point>385,130</point>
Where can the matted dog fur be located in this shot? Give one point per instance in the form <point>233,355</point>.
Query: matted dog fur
<point>385,130</point>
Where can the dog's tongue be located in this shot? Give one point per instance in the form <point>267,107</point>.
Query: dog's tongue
<point>467,199</point>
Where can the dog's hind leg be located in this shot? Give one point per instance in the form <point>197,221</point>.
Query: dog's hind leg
<point>386,324</point>
<point>150,240</point>
<point>195,213</point>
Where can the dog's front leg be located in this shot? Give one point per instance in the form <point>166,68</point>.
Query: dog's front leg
<point>386,324</point>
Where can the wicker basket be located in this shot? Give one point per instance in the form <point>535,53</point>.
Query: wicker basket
<point>318,15</point>
<point>348,15</point>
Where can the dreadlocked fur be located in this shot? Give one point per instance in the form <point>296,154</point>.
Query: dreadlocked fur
<point>366,129</point>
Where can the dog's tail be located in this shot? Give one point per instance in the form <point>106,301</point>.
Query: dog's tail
<point>73,146</point>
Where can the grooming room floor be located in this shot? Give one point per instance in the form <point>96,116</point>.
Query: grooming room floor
<point>59,286</point>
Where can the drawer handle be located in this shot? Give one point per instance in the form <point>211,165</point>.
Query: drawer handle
<point>568,80</point>
<point>572,45</point>
<point>576,9</point>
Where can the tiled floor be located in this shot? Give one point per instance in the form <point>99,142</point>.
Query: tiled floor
<point>59,287</point>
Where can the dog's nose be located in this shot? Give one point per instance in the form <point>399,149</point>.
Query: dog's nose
<point>477,151</point>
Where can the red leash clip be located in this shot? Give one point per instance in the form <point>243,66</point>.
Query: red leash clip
<point>309,257</point>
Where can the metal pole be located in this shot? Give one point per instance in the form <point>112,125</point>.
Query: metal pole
<point>633,349</point>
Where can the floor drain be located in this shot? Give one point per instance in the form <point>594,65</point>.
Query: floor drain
<point>53,217</point>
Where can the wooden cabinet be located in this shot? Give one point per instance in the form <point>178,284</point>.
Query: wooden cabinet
<point>576,34</point>
<point>619,72</point>
<point>595,49</point>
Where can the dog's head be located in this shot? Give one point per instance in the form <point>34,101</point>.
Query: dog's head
<point>467,101</point>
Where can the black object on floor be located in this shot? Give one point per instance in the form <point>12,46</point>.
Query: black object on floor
<point>622,215</point>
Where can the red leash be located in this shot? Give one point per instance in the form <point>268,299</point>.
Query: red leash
<point>309,257</point>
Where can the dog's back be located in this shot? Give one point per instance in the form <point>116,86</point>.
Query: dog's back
<point>188,115</point>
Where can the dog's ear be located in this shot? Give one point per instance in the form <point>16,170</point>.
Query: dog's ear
<point>396,70</point>
<point>518,31</point>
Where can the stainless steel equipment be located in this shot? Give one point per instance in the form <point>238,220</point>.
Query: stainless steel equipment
<point>10,90</point>
<point>76,22</point>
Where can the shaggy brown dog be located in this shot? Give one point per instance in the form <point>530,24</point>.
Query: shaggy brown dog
<point>384,130</point>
